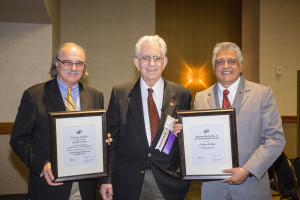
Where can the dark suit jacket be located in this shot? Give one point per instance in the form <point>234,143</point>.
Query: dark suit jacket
<point>30,137</point>
<point>129,152</point>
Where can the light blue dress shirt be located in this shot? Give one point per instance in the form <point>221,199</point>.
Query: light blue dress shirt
<point>74,92</point>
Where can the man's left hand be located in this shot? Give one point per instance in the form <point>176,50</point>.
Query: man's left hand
<point>109,139</point>
<point>239,175</point>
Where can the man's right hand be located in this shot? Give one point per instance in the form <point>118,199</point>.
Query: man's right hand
<point>49,176</point>
<point>106,191</point>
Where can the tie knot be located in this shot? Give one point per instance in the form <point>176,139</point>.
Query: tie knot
<point>69,89</point>
<point>150,91</point>
<point>225,92</point>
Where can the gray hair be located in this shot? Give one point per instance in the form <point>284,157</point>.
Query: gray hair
<point>225,46</point>
<point>53,69</point>
<point>153,39</point>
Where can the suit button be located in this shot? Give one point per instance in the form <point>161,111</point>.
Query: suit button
<point>142,172</point>
<point>149,155</point>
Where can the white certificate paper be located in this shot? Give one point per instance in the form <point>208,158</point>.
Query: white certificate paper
<point>77,138</point>
<point>206,149</point>
<point>79,145</point>
<point>207,144</point>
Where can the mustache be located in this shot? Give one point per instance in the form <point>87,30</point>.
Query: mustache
<point>69,71</point>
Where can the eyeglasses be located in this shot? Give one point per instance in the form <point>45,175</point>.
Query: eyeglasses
<point>229,61</point>
<point>69,63</point>
<point>147,59</point>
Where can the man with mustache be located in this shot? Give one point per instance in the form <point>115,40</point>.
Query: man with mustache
<point>259,128</point>
<point>30,135</point>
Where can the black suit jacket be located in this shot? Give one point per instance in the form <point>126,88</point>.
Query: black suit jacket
<point>30,138</point>
<point>129,152</point>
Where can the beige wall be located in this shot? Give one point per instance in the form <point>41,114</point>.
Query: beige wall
<point>290,132</point>
<point>53,9</point>
<point>279,47</point>
<point>25,57</point>
<point>108,30</point>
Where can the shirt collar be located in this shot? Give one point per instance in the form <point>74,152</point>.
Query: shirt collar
<point>232,88</point>
<point>64,86</point>
<point>156,88</point>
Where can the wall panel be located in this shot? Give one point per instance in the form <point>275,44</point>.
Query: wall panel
<point>191,29</point>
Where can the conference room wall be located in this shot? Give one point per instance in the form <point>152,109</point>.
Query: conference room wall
<point>108,30</point>
<point>26,51</point>
<point>279,49</point>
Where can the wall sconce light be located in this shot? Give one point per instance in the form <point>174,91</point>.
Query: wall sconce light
<point>194,76</point>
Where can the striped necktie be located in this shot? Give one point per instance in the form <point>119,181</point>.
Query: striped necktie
<point>70,106</point>
<point>69,101</point>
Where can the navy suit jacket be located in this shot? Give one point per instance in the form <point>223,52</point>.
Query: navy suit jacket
<point>129,152</point>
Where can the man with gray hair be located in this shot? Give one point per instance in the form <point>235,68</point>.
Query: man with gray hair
<point>30,137</point>
<point>259,128</point>
<point>140,167</point>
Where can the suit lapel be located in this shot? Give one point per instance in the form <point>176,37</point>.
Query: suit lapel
<point>54,95</point>
<point>212,97</point>
<point>241,95</point>
<point>168,108</point>
<point>84,97</point>
<point>136,107</point>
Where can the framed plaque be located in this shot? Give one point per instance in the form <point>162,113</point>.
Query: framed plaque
<point>208,143</point>
<point>78,145</point>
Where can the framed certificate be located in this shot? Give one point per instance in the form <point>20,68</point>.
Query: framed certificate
<point>78,145</point>
<point>208,143</point>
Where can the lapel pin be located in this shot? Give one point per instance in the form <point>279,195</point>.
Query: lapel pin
<point>171,104</point>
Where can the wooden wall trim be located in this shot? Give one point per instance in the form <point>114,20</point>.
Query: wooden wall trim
<point>289,119</point>
<point>6,127</point>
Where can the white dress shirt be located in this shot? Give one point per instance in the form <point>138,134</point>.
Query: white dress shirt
<point>158,94</point>
<point>232,91</point>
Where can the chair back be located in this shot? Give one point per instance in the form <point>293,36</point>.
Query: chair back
<point>286,177</point>
<point>297,169</point>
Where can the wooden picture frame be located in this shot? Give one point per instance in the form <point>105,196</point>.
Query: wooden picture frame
<point>78,145</point>
<point>208,143</point>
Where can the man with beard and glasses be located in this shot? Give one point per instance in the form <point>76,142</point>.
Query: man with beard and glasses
<point>30,137</point>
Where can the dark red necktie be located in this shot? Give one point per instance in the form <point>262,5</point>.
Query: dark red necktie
<point>226,102</point>
<point>153,114</point>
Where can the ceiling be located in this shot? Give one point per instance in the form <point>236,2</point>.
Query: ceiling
<point>24,11</point>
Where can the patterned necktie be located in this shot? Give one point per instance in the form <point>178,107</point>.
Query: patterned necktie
<point>153,114</point>
<point>69,101</point>
<point>70,106</point>
<point>226,102</point>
